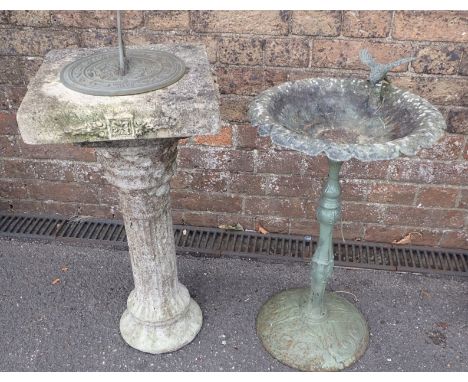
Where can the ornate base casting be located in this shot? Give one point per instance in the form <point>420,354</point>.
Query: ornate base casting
<point>307,328</point>
<point>160,316</point>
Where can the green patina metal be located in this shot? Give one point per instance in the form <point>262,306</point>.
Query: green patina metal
<point>119,73</point>
<point>309,328</point>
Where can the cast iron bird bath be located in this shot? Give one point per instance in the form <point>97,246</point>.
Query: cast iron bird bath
<point>308,328</point>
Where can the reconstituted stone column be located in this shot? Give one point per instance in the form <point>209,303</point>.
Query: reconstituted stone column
<point>160,315</point>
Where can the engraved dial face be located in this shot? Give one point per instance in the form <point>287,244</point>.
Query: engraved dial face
<point>98,74</point>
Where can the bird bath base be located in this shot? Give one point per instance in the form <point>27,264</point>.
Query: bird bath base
<point>292,337</point>
<point>310,329</point>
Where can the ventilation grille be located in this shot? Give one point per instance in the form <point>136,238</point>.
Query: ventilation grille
<point>217,242</point>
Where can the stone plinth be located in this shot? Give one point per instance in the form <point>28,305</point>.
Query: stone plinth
<point>52,113</point>
<point>136,143</point>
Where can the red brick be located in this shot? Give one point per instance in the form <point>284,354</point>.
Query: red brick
<point>18,70</point>
<point>275,77</point>
<point>240,51</point>
<point>463,69</point>
<point>249,184</point>
<point>345,53</point>
<point>96,19</point>
<point>448,148</point>
<point>455,239</point>
<point>431,26</point>
<point>97,38</point>
<point>362,212</point>
<point>205,202</point>
<point>287,208</point>
<point>18,206</point>
<point>11,96</point>
<point>35,42</point>
<point>247,137</point>
<point>18,168</point>
<point>224,160</point>
<point>234,108</point>
<point>306,227</point>
<point>439,91</point>
<point>366,23</point>
<point>200,219</point>
<point>99,211</point>
<point>143,37</point>
<point>356,190</point>
<point>440,197</point>
<point>209,181</point>
<point>392,193</point>
<point>438,59</point>
<point>293,186</point>
<point>67,152</point>
<point>388,234</point>
<point>457,121</point>
<point>364,170</point>
<point>283,162</point>
<point>167,20</point>
<point>251,22</point>
<point>287,52</point>
<point>177,217</point>
<point>62,192</point>
<point>10,189</point>
<point>8,146</point>
<point>464,199</point>
<point>240,80</point>
<point>316,23</point>
<point>30,18</point>
<point>414,171</point>
<point>316,165</point>
<point>423,217</point>
<point>223,138</point>
<point>8,123</point>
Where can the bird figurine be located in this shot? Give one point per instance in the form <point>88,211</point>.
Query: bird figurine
<point>378,72</point>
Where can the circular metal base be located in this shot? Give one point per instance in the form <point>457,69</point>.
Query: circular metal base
<point>98,74</point>
<point>331,344</point>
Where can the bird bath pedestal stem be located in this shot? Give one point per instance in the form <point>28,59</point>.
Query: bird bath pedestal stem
<point>135,137</point>
<point>308,328</point>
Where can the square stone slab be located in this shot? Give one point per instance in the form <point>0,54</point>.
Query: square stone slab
<point>53,113</point>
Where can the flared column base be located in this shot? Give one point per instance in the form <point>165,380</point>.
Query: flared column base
<point>161,337</point>
<point>294,339</point>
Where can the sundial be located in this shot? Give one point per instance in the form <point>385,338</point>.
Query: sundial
<point>122,73</point>
<point>121,104</point>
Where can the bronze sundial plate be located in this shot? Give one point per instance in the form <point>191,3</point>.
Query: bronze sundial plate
<point>98,74</point>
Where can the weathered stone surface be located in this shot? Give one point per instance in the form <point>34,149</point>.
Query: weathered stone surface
<point>52,113</point>
<point>160,316</point>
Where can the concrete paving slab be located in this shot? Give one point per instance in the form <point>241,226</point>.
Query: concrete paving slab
<point>417,322</point>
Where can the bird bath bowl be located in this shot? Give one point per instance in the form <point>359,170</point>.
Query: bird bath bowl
<point>308,328</point>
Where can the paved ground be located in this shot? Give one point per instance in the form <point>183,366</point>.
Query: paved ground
<point>417,323</point>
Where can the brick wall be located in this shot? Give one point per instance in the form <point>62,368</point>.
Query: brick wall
<point>237,177</point>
